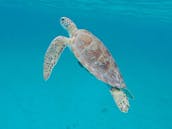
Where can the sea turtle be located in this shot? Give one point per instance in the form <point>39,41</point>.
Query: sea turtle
<point>93,55</point>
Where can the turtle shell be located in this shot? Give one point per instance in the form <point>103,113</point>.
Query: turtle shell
<point>95,57</point>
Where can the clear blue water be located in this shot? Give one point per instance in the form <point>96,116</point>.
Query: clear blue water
<point>138,34</point>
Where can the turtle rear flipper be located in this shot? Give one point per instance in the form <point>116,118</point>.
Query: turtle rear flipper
<point>120,99</point>
<point>128,93</point>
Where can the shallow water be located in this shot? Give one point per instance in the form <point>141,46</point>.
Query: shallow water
<point>138,34</point>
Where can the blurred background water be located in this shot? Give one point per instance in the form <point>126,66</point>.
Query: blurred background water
<point>137,32</point>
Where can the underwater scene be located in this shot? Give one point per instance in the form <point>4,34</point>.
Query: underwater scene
<point>138,34</point>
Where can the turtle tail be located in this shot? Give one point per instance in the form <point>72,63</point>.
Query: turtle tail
<point>120,97</point>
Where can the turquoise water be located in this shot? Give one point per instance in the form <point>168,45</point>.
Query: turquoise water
<point>138,34</point>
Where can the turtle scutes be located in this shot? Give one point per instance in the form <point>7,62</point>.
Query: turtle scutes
<point>93,55</point>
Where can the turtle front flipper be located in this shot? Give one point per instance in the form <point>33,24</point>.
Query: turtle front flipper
<point>120,99</point>
<point>53,53</point>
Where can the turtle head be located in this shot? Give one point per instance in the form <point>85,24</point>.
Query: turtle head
<point>68,24</point>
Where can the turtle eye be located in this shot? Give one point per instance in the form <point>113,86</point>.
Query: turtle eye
<point>62,19</point>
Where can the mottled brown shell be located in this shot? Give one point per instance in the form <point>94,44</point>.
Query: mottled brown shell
<point>95,57</point>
